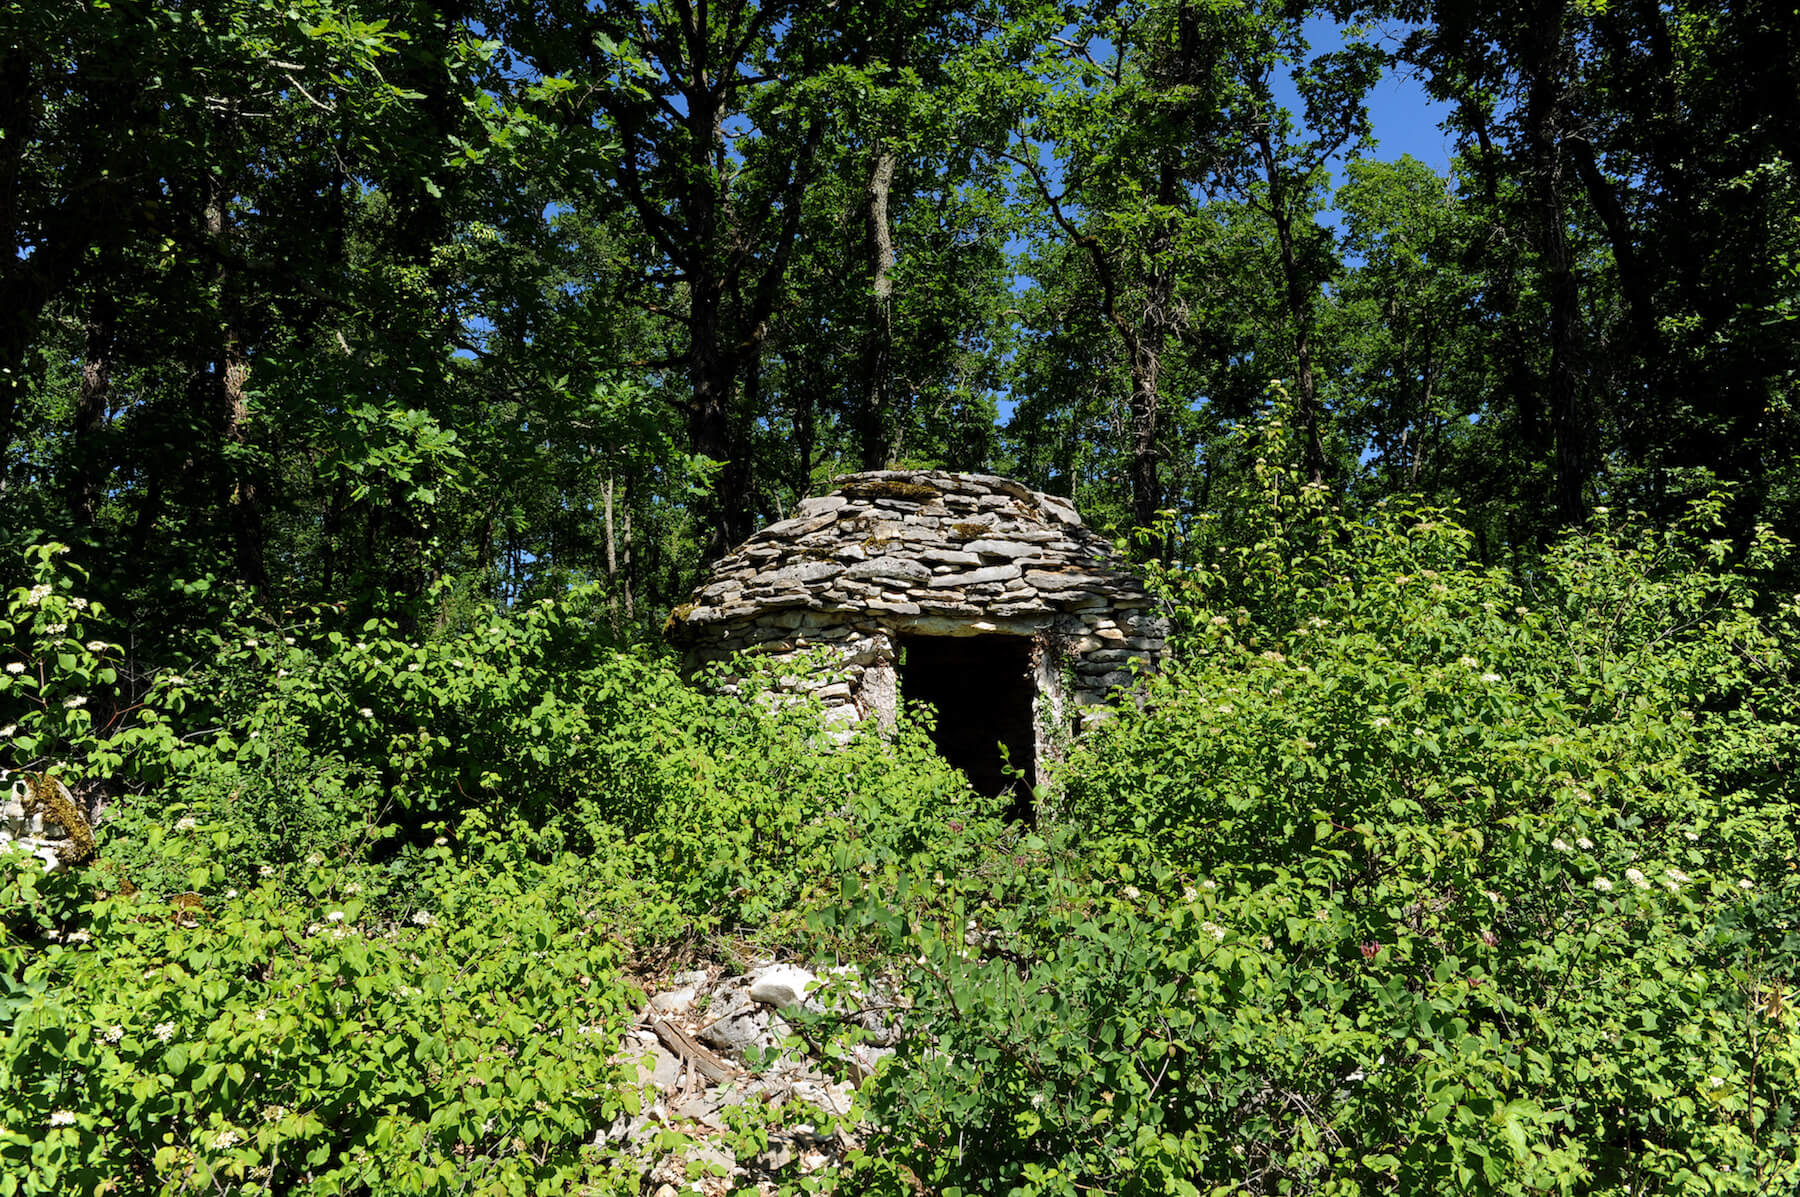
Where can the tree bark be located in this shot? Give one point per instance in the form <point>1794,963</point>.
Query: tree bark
<point>612,560</point>
<point>84,483</point>
<point>1545,115</point>
<point>1633,280</point>
<point>878,333</point>
<point>1299,297</point>
<point>241,497</point>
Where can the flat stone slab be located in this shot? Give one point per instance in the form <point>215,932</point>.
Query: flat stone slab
<point>902,568</point>
<point>975,577</point>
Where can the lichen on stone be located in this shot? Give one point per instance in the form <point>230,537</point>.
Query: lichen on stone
<point>678,616</point>
<point>48,796</point>
<point>897,489</point>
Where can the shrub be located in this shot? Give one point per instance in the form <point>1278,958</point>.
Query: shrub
<point>1405,878</point>
<point>268,1041</point>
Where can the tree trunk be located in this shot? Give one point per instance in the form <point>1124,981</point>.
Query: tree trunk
<point>240,497</point>
<point>612,560</point>
<point>84,483</point>
<point>878,333</point>
<point>627,558</point>
<point>1545,115</point>
<point>805,425</point>
<point>712,357</point>
<point>1299,296</point>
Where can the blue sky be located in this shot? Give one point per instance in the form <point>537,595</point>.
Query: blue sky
<point>1406,120</point>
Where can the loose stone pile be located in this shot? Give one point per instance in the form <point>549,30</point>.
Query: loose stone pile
<point>927,553</point>
<point>693,1045</point>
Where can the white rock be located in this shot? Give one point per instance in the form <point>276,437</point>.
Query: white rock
<point>781,984</point>
<point>736,1026</point>
<point>673,1001</point>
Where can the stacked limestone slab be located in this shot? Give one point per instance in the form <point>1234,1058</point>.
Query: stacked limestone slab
<point>897,553</point>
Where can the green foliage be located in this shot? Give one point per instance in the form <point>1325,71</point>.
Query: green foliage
<point>291,1038</point>
<point>764,810</point>
<point>737,805</point>
<point>1405,878</point>
<point>386,371</point>
<point>53,673</point>
<point>279,973</point>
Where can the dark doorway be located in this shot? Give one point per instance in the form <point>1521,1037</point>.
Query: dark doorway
<point>981,688</point>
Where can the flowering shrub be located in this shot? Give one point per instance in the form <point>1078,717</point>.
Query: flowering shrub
<point>263,1041</point>
<point>55,676</point>
<point>277,977</point>
<point>1406,878</point>
<point>277,747</point>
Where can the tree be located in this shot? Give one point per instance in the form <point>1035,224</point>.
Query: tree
<point>1643,196</point>
<point>1158,150</point>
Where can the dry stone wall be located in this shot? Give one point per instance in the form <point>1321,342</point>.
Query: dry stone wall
<point>892,554</point>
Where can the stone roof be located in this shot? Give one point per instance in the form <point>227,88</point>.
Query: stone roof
<point>916,543</point>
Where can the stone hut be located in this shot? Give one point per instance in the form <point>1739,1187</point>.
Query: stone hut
<point>992,603</point>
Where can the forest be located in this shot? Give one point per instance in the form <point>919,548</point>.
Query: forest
<point>376,378</point>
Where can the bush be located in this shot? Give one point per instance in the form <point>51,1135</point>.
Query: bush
<point>305,742</point>
<point>264,1041</point>
<point>1405,878</point>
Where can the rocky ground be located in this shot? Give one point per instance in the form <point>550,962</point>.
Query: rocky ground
<point>751,1096</point>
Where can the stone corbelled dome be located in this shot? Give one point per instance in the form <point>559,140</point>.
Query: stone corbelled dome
<point>934,549</point>
<point>982,601</point>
